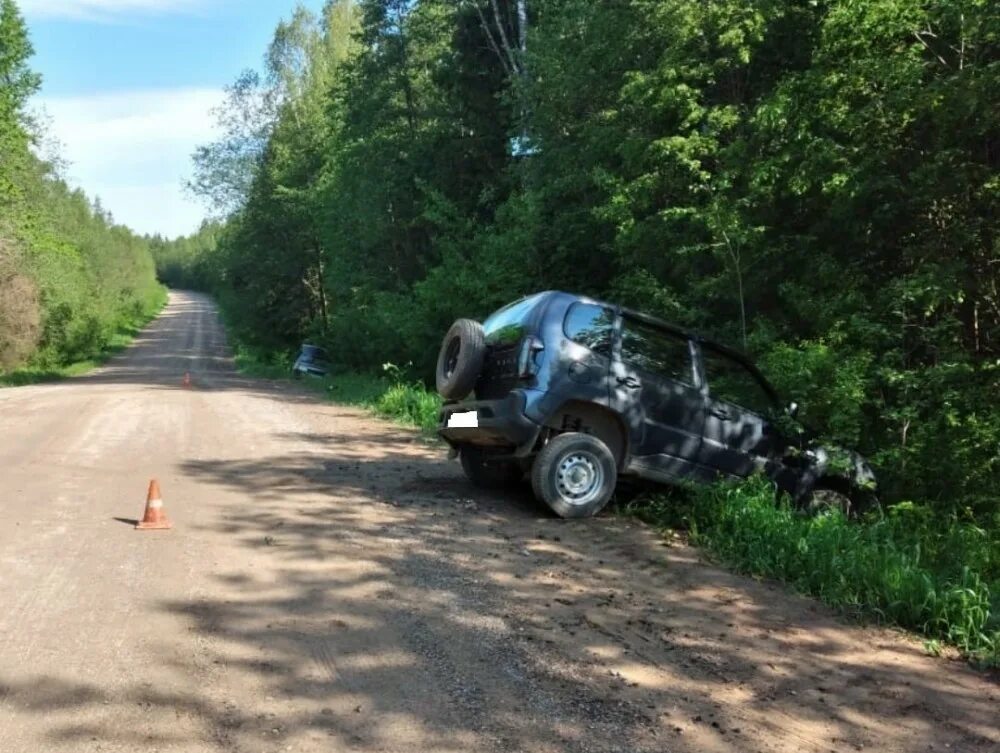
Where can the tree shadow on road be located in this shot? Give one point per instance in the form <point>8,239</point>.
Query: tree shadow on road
<point>405,609</point>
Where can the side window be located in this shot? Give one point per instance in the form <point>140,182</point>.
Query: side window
<point>731,381</point>
<point>658,352</point>
<point>590,326</point>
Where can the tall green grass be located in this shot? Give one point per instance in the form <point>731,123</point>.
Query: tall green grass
<point>905,567</point>
<point>117,337</point>
<point>409,403</point>
<point>389,395</point>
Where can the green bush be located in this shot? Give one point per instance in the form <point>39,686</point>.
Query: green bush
<point>907,567</point>
<point>388,395</point>
<point>410,403</point>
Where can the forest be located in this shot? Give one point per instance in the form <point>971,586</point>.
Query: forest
<point>813,181</point>
<point>73,283</point>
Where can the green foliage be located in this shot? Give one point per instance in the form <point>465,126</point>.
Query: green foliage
<point>388,394</point>
<point>907,568</point>
<point>17,83</point>
<point>816,182</point>
<point>115,343</point>
<point>72,282</point>
<point>813,181</point>
<point>190,262</point>
<point>409,402</point>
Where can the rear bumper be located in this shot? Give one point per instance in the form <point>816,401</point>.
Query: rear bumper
<point>311,368</point>
<point>502,423</point>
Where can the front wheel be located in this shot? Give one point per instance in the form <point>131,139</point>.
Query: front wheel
<point>574,474</point>
<point>488,475</point>
<point>826,498</point>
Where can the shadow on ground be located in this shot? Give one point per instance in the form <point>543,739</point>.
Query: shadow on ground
<point>396,608</point>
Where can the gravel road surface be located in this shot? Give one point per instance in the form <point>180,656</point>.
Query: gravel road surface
<point>332,583</point>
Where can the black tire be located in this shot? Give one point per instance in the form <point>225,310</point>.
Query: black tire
<point>825,498</point>
<point>489,475</point>
<point>575,474</point>
<point>461,359</point>
<point>296,374</point>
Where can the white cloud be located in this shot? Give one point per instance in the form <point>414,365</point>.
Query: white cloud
<point>104,10</point>
<point>133,151</point>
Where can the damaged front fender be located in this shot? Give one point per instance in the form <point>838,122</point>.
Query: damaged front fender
<point>832,466</point>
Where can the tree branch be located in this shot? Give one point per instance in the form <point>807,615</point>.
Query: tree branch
<point>501,27</point>
<point>920,38</point>
<point>492,41</point>
<point>522,26</point>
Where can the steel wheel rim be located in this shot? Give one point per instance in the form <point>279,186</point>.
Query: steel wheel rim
<point>579,478</point>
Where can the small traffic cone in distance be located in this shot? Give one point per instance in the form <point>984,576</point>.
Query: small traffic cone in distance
<point>154,518</point>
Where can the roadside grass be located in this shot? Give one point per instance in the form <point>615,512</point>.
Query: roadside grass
<point>120,339</point>
<point>905,567</point>
<point>387,395</point>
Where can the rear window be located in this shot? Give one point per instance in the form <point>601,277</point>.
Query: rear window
<point>314,353</point>
<point>509,325</point>
<point>590,325</point>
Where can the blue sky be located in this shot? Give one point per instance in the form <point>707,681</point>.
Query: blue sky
<point>128,88</point>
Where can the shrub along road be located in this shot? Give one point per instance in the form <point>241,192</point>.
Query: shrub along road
<point>331,583</point>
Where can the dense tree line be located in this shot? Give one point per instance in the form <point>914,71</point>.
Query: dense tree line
<point>70,278</point>
<point>813,180</point>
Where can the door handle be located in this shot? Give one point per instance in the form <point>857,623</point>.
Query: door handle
<point>629,381</point>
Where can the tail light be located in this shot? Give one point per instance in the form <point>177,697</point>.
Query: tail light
<point>527,359</point>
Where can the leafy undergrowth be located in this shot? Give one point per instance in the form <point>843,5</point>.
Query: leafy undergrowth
<point>906,567</point>
<point>388,395</point>
<point>104,348</point>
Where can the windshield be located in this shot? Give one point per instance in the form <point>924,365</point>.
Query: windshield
<point>507,326</point>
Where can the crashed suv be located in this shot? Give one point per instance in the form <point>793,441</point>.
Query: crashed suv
<point>577,393</point>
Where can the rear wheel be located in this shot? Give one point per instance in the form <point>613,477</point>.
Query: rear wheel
<point>574,474</point>
<point>489,474</point>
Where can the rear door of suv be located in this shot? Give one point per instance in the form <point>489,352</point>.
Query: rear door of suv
<point>586,358</point>
<point>654,388</point>
<point>505,330</point>
<point>739,437</point>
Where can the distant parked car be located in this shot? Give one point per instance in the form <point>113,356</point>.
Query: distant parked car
<point>312,361</point>
<point>577,392</point>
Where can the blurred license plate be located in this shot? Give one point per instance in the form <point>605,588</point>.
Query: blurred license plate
<point>468,420</point>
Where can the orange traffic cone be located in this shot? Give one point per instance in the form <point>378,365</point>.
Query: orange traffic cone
<point>187,380</point>
<point>154,517</point>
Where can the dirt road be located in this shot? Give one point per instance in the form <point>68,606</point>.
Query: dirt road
<point>332,584</point>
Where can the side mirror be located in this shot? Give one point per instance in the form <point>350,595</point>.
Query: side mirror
<point>793,409</point>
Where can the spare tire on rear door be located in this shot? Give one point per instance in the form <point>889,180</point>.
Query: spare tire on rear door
<point>461,359</point>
